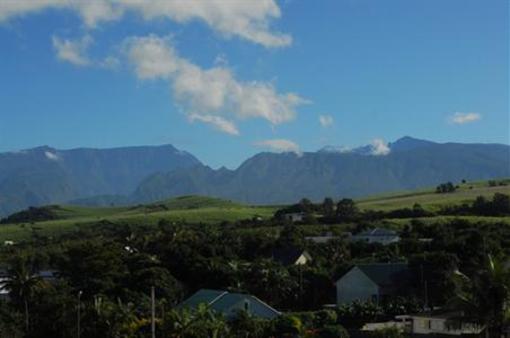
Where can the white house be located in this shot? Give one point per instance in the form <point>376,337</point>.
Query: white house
<point>450,324</point>
<point>291,256</point>
<point>327,237</point>
<point>377,235</point>
<point>295,217</point>
<point>371,282</point>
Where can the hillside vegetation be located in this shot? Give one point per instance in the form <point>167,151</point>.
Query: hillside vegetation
<point>54,220</point>
<point>186,209</point>
<point>432,201</point>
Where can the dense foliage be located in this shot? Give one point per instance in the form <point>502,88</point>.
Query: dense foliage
<point>106,271</point>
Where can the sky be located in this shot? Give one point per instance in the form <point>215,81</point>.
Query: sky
<point>225,80</point>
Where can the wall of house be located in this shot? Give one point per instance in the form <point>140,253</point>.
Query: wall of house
<point>302,260</point>
<point>355,285</point>
<point>431,325</point>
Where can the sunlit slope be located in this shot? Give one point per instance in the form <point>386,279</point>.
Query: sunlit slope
<point>430,200</point>
<point>187,209</point>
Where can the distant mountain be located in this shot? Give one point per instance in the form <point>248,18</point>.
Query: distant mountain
<point>407,143</point>
<point>122,176</point>
<point>269,178</point>
<point>46,175</point>
<point>403,144</point>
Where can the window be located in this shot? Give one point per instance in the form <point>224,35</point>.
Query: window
<point>246,305</point>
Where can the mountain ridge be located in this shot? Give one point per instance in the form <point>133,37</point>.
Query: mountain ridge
<point>144,174</point>
<point>45,175</point>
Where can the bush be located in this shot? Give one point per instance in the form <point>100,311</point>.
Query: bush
<point>333,331</point>
<point>389,332</point>
<point>287,326</point>
<point>324,318</point>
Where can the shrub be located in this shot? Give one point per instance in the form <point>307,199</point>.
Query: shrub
<point>333,331</point>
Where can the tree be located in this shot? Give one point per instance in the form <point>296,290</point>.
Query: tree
<point>21,283</point>
<point>291,236</point>
<point>328,207</point>
<point>346,209</point>
<point>305,205</point>
<point>199,322</point>
<point>271,282</point>
<point>445,188</point>
<point>484,296</point>
<point>501,204</point>
<point>480,206</point>
<point>246,326</point>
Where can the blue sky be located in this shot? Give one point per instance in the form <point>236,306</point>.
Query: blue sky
<point>228,81</point>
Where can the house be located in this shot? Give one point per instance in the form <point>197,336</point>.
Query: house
<point>291,256</point>
<point>3,278</point>
<point>294,217</point>
<point>440,323</point>
<point>377,235</point>
<point>371,282</point>
<point>327,237</point>
<point>229,304</point>
<point>399,325</point>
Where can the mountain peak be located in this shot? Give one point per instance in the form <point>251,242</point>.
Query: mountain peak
<point>409,143</point>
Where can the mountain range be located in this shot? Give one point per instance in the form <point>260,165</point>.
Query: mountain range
<point>145,174</point>
<point>45,175</point>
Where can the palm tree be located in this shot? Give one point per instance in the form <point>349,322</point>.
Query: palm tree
<point>484,297</point>
<point>21,283</point>
<point>199,322</point>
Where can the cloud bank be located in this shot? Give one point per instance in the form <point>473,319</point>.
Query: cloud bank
<point>326,121</point>
<point>279,145</point>
<point>51,156</point>
<point>463,118</point>
<point>73,51</point>
<point>379,147</point>
<point>212,95</point>
<point>246,19</point>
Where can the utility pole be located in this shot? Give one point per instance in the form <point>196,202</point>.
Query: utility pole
<point>153,312</point>
<point>79,314</point>
<point>426,294</point>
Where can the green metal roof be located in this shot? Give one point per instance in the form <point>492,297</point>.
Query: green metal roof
<point>225,302</point>
<point>205,296</point>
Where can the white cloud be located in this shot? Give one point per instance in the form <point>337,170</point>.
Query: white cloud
<point>152,57</point>
<point>14,8</point>
<point>208,93</point>
<point>247,19</point>
<point>73,51</point>
<point>463,118</point>
<point>218,122</point>
<point>51,156</point>
<point>95,11</point>
<point>379,147</point>
<point>110,62</point>
<point>326,120</point>
<point>279,145</point>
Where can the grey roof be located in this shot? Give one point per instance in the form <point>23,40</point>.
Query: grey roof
<point>385,274</point>
<point>206,296</point>
<point>222,301</point>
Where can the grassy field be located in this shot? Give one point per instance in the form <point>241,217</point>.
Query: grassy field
<point>196,209</point>
<point>430,200</point>
<point>189,209</point>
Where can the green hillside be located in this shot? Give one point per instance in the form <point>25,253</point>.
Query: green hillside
<point>208,210</point>
<point>188,209</point>
<point>430,200</point>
